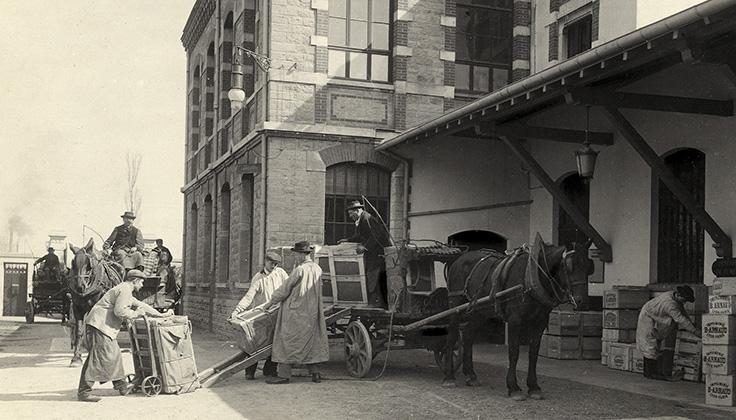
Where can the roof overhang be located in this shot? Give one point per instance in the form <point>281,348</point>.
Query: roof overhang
<point>688,36</point>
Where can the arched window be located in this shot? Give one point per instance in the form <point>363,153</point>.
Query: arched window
<point>210,94</point>
<point>223,235</point>
<point>350,181</point>
<point>247,214</point>
<point>680,238</point>
<point>578,191</point>
<point>208,260</point>
<point>196,99</point>
<point>193,234</point>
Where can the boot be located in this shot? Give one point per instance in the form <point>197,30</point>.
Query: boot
<point>86,397</point>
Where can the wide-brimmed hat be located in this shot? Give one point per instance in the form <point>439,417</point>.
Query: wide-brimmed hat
<point>686,292</point>
<point>303,247</point>
<point>355,204</point>
<point>134,274</point>
<point>128,215</point>
<point>272,256</point>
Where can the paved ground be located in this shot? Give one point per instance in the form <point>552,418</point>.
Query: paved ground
<point>39,384</point>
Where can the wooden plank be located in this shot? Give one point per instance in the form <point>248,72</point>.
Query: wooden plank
<point>231,366</point>
<point>549,133</point>
<point>723,108</point>
<point>722,241</point>
<point>605,252</point>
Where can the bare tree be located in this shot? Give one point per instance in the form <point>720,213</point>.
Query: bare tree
<point>133,196</point>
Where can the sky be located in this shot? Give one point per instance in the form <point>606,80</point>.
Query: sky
<point>82,83</point>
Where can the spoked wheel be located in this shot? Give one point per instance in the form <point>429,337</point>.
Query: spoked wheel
<point>457,356</point>
<point>358,349</point>
<point>151,386</point>
<point>30,312</point>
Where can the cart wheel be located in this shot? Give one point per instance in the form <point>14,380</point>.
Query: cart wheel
<point>457,356</point>
<point>358,349</point>
<point>30,312</point>
<point>151,386</point>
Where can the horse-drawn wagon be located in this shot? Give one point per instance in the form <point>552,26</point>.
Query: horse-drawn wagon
<point>49,296</point>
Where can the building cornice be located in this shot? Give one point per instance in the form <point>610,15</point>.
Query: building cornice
<point>196,23</point>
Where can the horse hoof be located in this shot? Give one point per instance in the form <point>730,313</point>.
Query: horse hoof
<point>517,396</point>
<point>536,395</point>
<point>472,382</point>
<point>448,384</point>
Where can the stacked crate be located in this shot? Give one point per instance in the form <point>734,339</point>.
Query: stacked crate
<point>688,356</point>
<point>572,335</point>
<point>719,344</point>
<point>621,307</point>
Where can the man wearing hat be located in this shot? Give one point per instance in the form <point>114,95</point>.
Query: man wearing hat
<point>104,362</point>
<point>300,336</point>
<point>261,289</point>
<point>50,265</point>
<point>372,236</point>
<point>659,318</point>
<point>126,242</point>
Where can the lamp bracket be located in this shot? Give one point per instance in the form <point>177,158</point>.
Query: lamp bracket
<point>264,62</point>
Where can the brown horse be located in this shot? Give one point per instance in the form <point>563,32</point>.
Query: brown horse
<point>89,279</point>
<point>534,283</point>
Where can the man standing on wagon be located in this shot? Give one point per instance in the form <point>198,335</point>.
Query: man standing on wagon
<point>300,336</point>
<point>372,236</point>
<point>50,265</point>
<point>126,242</point>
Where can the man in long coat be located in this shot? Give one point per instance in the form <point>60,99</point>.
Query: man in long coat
<point>372,236</point>
<point>126,242</point>
<point>300,336</point>
<point>659,318</point>
<point>50,264</point>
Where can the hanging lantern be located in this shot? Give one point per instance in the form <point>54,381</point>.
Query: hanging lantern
<point>585,157</point>
<point>236,94</point>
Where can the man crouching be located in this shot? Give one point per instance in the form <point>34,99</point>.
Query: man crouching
<point>104,361</point>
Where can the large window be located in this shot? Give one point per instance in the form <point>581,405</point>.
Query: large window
<point>579,36</point>
<point>346,182</point>
<point>483,45</point>
<point>360,39</point>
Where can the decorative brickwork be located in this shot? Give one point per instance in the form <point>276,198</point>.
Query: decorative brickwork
<point>450,33</point>
<point>522,13</point>
<point>449,73</point>
<point>400,112</point>
<point>320,105</point>
<point>449,104</point>
<point>400,68</point>
<point>554,5</point>
<point>554,42</point>
<point>450,9</point>
<point>595,24</point>
<point>521,49</point>
<point>401,32</point>
<point>518,74</point>
<point>359,153</point>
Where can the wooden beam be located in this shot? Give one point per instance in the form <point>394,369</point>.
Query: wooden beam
<point>518,130</point>
<point>605,252</point>
<point>722,241</point>
<point>722,108</point>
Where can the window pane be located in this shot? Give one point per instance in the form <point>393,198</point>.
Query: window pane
<point>482,22</point>
<point>464,20</point>
<point>463,44</point>
<point>358,34</point>
<point>481,78</point>
<point>380,36</point>
<point>337,31</point>
<point>358,65</point>
<point>337,8</point>
<point>359,9</point>
<point>482,50</point>
<point>336,63</point>
<point>500,78</point>
<point>462,76</point>
<point>380,11</point>
<point>379,68</point>
<point>501,51</point>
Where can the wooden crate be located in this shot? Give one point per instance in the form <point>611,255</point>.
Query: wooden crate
<point>719,390</point>
<point>719,359</point>
<point>619,336</point>
<point>620,318</point>
<point>571,348</point>
<point>570,323</point>
<point>721,305</point>
<point>719,329</point>
<point>625,297</point>
<point>619,356</point>
<point>724,286</point>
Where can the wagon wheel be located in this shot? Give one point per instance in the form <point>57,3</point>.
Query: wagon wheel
<point>151,386</point>
<point>30,312</point>
<point>358,349</point>
<point>457,356</point>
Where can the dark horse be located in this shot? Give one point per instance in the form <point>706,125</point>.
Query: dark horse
<point>534,283</point>
<point>88,281</point>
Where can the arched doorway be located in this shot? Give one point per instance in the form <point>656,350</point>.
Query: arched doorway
<point>478,239</point>
<point>680,238</point>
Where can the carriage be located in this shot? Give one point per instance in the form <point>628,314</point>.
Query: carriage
<point>49,296</point>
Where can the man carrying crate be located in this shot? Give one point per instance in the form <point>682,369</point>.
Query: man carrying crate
<point>104,362</point>
<point>262,286</point>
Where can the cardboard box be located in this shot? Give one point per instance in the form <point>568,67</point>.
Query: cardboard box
<point>619,336</point>
<point>724,286</point>
<point>625,297</point>
<point>719,390</point>
<point>619,356</point>
<point>721,305</point>
<point>569,323</point>
<point>637,360</point>
<point>719,360</point>
<point>620,318</point>
<point>719,329</point>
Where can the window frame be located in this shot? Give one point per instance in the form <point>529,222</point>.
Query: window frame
<point>472,64</point>
<point>369,51</point>
<point>582,21</point>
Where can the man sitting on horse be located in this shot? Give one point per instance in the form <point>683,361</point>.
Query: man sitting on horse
<point>50,265</point>
<point>126,242</point>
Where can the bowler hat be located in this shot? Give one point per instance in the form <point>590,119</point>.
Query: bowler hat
<point>302,246</point>
<point>355,204</point>
<point>272,256</point>
<point>128,215</point>
<point>51,249</point>
<point>686,292</point>
<point>134,274</point>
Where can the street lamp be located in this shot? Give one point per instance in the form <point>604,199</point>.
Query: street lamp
<point>585,157</point>
<point>236,94</point>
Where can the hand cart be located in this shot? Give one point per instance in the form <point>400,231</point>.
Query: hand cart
<point>146,378</point>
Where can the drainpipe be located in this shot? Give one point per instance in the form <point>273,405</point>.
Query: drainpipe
<point>405,216</point>
<point>264,194</point>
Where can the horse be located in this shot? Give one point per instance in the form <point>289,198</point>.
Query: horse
<point>531,284</point>
<point>90,278</point>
